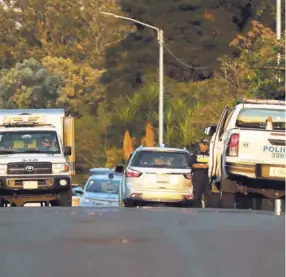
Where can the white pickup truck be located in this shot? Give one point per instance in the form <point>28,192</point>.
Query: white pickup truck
<point>37,154</point>
<point>248,152</point>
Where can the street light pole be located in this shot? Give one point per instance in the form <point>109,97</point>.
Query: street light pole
<point>278,202</point>
<point>278,30</point>
<point>161,86</point>
<point>160,35</point>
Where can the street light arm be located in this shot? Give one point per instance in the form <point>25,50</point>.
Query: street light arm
<point>131,19</point>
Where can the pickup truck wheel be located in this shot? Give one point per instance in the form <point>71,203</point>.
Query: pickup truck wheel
<point>227,200</point>
<point>228,189</point>
<point>215,200</point>
<point>65,198</point>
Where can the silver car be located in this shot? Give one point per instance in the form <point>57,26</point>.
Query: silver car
<point>157,174</point>
<point>102,189</point>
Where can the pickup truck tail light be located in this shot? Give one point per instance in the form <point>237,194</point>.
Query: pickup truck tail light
<point>233,145</point>
<point>132,173</point>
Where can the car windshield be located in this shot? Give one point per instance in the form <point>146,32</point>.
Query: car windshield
<point>29,142</point>
<point>103,186</point>
<point>161,159</point>
<point>257,118</point>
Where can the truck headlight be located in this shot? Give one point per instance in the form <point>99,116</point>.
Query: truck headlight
<point>3,169</point>
<point>59,168</point>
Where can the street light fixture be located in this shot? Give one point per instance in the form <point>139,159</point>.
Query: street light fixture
<point>160,36</point>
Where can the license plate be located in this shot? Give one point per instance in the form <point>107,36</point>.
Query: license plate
<point>30,184</point>
<point>162,179</point>
<point>277,171</point>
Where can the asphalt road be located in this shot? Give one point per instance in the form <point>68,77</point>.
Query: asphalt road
<point>141,242</point>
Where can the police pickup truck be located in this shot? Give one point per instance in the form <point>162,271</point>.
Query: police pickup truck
<point>247,151</point>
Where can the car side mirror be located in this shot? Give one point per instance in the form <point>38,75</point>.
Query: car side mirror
<point>67,150</point>
<point>119,169</point>
<point>78,190</point>
<point>210,130</point>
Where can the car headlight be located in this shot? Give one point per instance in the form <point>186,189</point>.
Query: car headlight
<point>86,200</point>
<point>59,168</point>
<point>3,169</point>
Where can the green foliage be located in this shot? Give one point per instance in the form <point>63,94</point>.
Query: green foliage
<point>28,85</point>
<point>81,82</point>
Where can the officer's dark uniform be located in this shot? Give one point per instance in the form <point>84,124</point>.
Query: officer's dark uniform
<point>200,179</point>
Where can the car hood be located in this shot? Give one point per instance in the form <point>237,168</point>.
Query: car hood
<point>99,199</point>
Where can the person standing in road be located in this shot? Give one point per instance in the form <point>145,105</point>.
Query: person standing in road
<point>200,179</point>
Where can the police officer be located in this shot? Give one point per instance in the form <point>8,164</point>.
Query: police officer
<point>199,163</point>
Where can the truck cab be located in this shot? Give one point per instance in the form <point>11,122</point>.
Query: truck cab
<point>36,157</point>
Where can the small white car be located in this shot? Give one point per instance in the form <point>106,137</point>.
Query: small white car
<point>102,189</point>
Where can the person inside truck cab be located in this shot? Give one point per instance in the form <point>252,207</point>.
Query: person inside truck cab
<point>46,143</point>
<point>199,163</point>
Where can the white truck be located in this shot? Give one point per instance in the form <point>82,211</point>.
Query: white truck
<point>37,157</point>
<point>248,152</point>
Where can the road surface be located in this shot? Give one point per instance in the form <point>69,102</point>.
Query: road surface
<point>141,242</point>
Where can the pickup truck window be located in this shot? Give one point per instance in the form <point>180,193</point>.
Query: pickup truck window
<point>226,123</point>
<point>255,118</point>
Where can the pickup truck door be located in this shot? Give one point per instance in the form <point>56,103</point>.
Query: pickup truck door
<point>216,145</point>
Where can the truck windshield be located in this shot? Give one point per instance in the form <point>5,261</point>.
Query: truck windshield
<point>29,142</point>
<point>257,118</point>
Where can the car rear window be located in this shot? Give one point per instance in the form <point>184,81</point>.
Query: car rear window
<point>256,118</point>
<point>161,159</point>
<point>103,186</point>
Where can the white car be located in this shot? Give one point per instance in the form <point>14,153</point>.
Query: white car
<point>102,189</point>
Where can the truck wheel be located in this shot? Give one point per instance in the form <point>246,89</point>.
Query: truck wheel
<point>2,203</point>
<point>227,200</point>
<point>65,198</point>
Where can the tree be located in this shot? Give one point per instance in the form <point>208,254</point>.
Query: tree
<point>259,49</point>
<point>149,138</point>
<point>197,32</point>
<point>10,43</point>
<point>29,85</point>
<point>127,145</point>
<point>69,29</point>
<point>80,85</point>
<point>89,149</point>
<point>113,157</point>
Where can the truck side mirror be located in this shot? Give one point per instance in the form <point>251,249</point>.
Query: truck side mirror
<point>210,130</point>
<point>67,150</point>
<point>119,169</point>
